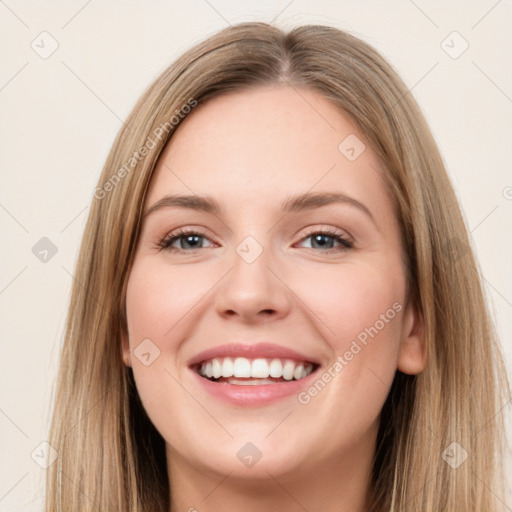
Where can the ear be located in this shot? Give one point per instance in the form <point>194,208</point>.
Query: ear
<point>412,356</point>
<point>125,348</point>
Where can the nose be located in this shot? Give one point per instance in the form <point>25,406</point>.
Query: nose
<point>254,292</point>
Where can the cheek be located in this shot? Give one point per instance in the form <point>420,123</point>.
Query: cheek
<point>161,306</point>
<point>358,310</point>
<point>361,304</point>
<point>158,299</point>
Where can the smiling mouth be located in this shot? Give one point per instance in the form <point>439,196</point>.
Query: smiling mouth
<point>244,371</point>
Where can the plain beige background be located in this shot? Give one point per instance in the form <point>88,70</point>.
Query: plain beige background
<point>62,110</point>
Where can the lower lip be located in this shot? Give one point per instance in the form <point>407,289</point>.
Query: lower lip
<point>254,395</point>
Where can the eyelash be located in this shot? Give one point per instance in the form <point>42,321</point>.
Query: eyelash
<point>166,242</point>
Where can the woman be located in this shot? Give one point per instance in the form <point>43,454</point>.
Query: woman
<point>276,305</point>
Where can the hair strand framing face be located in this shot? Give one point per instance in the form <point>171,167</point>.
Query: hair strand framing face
<point>455,398</point>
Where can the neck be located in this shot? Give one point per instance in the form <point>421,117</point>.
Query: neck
<point>337,484</point>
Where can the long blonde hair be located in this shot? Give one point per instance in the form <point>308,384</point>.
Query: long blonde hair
<point>110,457</point>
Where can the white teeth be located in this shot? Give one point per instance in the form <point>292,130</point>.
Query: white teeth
<point>208,369</point>
<point>288,368</point>
<point>242,367</point>
<point>259,368</point>
<point>216,368</point>
<point>227,369</point>
<point>276,368</point>
<point>297,373</point>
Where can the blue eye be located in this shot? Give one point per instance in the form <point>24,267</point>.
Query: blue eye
<point>327,239</point>
<point>186,238</point>
<point>190,240</point>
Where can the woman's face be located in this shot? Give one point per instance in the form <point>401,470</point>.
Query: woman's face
<point>301,250</point>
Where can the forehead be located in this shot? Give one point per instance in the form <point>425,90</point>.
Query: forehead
<point>268,143</point>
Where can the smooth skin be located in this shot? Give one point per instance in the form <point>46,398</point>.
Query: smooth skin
<point>250,151</point>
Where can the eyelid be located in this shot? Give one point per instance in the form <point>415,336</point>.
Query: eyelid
<point>176,234</point>
<point>345,240</point>
<point>326,229</point>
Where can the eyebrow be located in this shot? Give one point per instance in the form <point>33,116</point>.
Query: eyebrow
<point>307,201</point>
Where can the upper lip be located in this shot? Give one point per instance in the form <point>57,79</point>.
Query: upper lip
<point>251,351</point>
